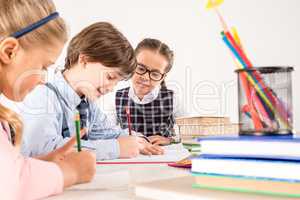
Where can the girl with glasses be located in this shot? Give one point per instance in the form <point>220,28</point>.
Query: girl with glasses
<point>151,103</point>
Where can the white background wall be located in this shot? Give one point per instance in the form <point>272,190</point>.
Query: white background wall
<point>203,72</point>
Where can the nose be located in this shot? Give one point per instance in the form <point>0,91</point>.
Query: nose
<point>145,77</point>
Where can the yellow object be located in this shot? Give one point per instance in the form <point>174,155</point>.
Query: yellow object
<point>254,84</point>
<point>213,3</point>
<point>236,36</point>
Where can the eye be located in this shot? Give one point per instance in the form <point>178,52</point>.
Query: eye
<point>47,66</point>
<point>140,69</point>
<point>110,77</point>
<point>156,74</point>
<point>44,68</point>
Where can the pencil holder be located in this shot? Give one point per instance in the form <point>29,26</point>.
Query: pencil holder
<point>265,100</point>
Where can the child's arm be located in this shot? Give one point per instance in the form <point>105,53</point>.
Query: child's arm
<point>102,127</point>
<point>108,107</point>
<point>23,176</point>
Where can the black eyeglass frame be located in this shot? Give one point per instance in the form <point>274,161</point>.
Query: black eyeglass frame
<point>149,72</point>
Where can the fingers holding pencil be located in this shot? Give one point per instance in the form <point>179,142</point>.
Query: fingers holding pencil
<point>72,142</point>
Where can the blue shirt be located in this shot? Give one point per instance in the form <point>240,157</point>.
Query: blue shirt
<point>43,121</point>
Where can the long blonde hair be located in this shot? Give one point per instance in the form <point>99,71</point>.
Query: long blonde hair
<point>16,15</point>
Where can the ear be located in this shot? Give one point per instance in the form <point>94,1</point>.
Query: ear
<point>82,60</point>
<point>8,49</point>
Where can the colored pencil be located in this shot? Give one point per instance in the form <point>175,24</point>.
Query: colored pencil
<point>77,125</point>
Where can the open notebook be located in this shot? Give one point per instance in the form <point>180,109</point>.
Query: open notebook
<point>173,153</point>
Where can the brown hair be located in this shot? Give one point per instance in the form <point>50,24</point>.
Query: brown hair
<point>159,47</point>
<point>16,15</point>
<point>101,42</point>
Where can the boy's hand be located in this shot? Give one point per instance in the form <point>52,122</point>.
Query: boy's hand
<point>159,140</point>
<point>129,146</point>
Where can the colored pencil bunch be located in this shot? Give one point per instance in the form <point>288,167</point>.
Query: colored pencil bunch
<point>263,106</point>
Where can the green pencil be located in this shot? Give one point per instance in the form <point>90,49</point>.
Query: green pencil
<point>77,125</point>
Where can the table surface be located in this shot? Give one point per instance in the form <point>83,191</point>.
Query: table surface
<point>116,182</point>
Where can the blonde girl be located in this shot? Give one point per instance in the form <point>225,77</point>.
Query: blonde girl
<point>31,37</point>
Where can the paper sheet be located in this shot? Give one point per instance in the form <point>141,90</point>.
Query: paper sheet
<point>173,153</point>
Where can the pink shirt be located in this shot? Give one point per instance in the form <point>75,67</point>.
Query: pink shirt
<point>25,178</point>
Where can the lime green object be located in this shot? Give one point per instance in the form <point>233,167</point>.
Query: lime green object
<point>240,189</point>
<point>193,148</point>
<point>229,189</point>
<point>77,125</point>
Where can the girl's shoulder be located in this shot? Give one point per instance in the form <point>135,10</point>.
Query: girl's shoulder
<point>123,91</point>
<point>166,91</point>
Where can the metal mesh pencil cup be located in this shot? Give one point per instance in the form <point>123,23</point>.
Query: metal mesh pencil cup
<point>265,100</point>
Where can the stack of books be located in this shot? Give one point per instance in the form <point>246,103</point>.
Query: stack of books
<point>191,127</point>
<point>266,165</point>
<point>192,146</point>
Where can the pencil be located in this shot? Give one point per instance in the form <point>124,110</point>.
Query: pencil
<point>267,96</point>
<point>128,119</point>
<point>77,125</point>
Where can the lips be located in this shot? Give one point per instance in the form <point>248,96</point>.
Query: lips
<point>142,84</point>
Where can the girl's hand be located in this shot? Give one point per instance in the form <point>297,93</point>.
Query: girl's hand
<point>78,167</point>
<point>147,148</point>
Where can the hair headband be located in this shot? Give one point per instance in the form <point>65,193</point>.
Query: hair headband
<point>34,26</point>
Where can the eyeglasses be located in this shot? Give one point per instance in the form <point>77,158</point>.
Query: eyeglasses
<point>154,75</point>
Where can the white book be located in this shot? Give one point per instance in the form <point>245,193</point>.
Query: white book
<point>284,170</point>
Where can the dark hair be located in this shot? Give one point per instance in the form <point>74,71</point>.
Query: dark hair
<point>102,42</point>
<point>161,48</point>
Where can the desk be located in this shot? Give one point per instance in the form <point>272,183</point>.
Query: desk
<point>116,182</point>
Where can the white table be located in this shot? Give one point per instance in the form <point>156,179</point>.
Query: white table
<point>116,182</point>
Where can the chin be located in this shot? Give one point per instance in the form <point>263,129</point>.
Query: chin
<point>143,92</point>
<point>98,96</point>
<point>16,98</point>
<point>94,97</point>
<point>141,88</point>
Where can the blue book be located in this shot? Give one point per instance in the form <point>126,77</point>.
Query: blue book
<point>256,147</point>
